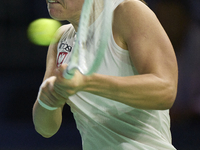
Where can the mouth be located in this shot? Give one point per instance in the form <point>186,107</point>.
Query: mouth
<point>53,1</point>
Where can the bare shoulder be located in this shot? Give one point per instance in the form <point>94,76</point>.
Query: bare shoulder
<point>60,32</point>
<point>134,8</point>
<point>52,51</point>
<point>64,28</point>
<point>137,29</point>
<point>131,19</point>
<point>133,13</point>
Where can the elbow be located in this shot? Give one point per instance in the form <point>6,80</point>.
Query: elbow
<point>167,103</point>
<point>168,96</point>
<point>44,133</point>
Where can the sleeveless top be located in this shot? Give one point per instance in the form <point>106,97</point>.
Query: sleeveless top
<point>105,124</point>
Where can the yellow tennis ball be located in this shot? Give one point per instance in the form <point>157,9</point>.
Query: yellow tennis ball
<point>41,31</point>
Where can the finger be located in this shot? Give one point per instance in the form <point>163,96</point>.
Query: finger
<point>61,90</point>
<point>57,90</point>
<point>60,70</point>
<point>57,99</point>
<point>50,96</point>
<point>52,100</point>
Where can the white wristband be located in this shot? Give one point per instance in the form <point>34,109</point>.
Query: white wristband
<point>46,106</point>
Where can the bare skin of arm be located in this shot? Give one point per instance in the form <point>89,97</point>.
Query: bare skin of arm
<point>48,122</point>
<point>136,29</point>
<point>153,56</point>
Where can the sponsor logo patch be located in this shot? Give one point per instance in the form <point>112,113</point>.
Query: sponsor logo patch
<point>61,58</point>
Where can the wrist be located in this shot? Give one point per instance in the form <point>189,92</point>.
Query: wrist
<point>46,106</point>
<point>93,83</point>
<point>88,83</point>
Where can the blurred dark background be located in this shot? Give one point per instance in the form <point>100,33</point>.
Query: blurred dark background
<point>22,66</point>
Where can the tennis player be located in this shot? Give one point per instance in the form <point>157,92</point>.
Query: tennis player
<point>125,104</point>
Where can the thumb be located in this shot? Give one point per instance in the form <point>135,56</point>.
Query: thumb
<point>62,67</point>
<point>60,70</point>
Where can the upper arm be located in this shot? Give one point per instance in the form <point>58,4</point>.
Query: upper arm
<point>52,52</point>
<point>142,34</point>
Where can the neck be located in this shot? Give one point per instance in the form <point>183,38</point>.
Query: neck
<point>75,22</point>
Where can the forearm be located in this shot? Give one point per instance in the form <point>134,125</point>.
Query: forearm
<point>46,122</point>
<point>141,91</point>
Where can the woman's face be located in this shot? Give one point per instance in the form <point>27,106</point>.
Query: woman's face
<point>65,9</point>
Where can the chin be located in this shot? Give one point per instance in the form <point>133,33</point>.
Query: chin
<point>57,18</point>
